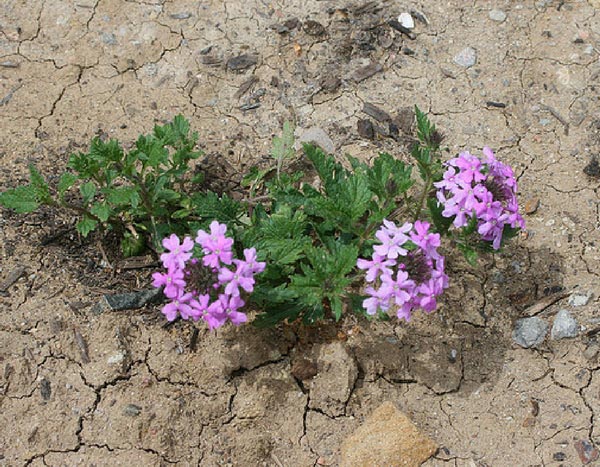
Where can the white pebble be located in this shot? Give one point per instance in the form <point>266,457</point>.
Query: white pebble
<point>406,20</point>
<point>497,15</point>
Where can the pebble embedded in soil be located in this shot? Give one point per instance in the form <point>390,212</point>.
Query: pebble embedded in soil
<point>466,57</point>
<point>317,136</point>
<point>565,326</point>
<point>387,437</point>
<point>586,451</point>
<point>497,15</point>
<point>406,20</point>
<point>530,332</point>
<point>579,298</point>
<point>132,410</point>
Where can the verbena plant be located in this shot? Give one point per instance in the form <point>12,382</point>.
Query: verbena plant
<point>357,237</point>
<point>144,193</point>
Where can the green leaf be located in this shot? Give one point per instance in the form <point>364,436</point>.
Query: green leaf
<point>181,214</point>
<point>42,192</point>
<point>131,245</point>
<point>22,199</point>
<point>88,191</point>
<point>211,206</point>
<point>67,180</point>
<point>330,172</point>
<point>101,211</point>
<point>86,225</point>
<point>469,253</point>
<point>123,196</point>
<point>283,147</point>
<point>441,223</point>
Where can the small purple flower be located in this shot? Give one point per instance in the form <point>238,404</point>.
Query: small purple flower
<point>180,306</point>
<point>428,242</point>
<point>173,282</point>
<point>178,253</point>
<point>392,238</point>
<point>379,265</point>
<point>253,266</point>
<point>233,280</point>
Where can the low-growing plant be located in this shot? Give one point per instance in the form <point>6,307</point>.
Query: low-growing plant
<point>355,237</point>
<point>144,194</point>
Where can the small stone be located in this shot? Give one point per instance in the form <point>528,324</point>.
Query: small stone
<point>387,437</point>
<point>316,136</point>
<point>108,38</point>
<point>241,62</point>
<point>591,351</point>
<point>314,28</point>
<point>116,358</point>
<point>9,64</point>
<point>183,15</point>
<point>132,410</point>
<point>530,332</point>
<point>406,20</point>
<point>559,456</point>
<point>565,326</point>
<point>366,72</point>
<point>304,369</point>
<point>531,205</point>
<point>45,389</point>
<point>128,301</point>
<point>466,57</point>
<point>587,451</point>
<point>580,298</point>
<point>365,129</point>
<point>497,15</point>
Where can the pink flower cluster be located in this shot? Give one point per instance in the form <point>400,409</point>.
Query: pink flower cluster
<point>209,289</point>
<point>486,190</point>
<point>406,272</point>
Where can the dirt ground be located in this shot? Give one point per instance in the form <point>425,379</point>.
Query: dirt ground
<point>120,388</point>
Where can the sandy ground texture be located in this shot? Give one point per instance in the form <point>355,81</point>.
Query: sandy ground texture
<point>120,388</point>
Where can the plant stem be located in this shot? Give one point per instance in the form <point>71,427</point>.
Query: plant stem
<point>428,184</point>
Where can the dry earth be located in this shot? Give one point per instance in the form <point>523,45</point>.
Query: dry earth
<point>78,388</point>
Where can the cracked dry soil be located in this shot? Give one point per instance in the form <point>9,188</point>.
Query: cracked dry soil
<point>122,389</point>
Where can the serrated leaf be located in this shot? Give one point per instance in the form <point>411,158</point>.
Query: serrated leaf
<point>283,147</point>
<point>330,172</point>
<point>22,199</point>
<point>181,214</point>
<point>123,196</point>
<point>101,211</point>
<point>67,180</point>
<point>86,225</point>
<point>88,191</point>
<point>212,206</point>
<point>42,192</point>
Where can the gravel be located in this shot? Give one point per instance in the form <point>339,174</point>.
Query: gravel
<point>565,326</point>
<point>530,332</point>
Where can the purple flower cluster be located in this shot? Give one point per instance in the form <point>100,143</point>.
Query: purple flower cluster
<point>209,289</point>
<point>406,272</point>
<point>486,190</point>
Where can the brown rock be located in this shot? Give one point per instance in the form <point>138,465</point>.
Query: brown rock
<point>531,205</point>
<point>387,438</point>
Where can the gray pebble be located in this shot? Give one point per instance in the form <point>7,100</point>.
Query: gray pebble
<point>466,57</point>
<point>132,410</point>
<point>317,136</point>
<point>580,298</point>
<point>184,15</point>
<point>530,332</point>
<point>564,326</point>
<point>108,38</point>
<point>497,15</point>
